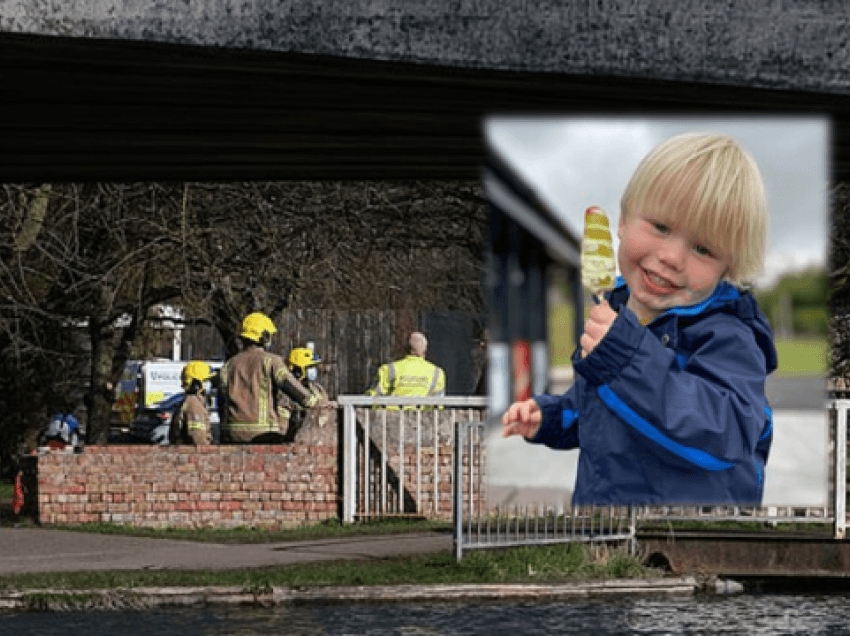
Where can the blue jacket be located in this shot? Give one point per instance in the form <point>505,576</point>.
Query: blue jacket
<point>673,412</point>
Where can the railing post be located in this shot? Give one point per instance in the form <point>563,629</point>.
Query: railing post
<point>840,486</point>
<point>349,462</point>
<point>457,490</point>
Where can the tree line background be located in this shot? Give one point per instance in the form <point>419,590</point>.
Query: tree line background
<point>82,266</point>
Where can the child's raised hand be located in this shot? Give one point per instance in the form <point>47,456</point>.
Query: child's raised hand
<point>522,418</point>
<point>598,323</point>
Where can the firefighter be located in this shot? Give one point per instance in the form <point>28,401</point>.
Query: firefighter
<point>250,384</point>
<point>191,423</point>
<point>412,376</point>
<point>303,364</point>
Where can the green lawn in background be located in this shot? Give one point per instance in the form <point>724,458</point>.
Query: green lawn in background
<point>802,357</point>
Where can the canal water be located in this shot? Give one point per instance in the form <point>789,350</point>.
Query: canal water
<point>761,614</point>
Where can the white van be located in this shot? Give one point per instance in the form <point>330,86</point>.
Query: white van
<point>148,396</point>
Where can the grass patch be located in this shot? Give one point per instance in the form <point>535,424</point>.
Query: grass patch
<point>803,357</point>
<point>326,530</point>
<point>541,564</point>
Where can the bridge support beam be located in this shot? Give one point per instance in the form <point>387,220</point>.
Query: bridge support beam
<point>752,555</point>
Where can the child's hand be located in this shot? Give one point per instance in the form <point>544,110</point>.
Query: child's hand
<point>522,418</point>
<point>598,323</point>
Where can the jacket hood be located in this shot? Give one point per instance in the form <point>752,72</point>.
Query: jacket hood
<point>727,298</point>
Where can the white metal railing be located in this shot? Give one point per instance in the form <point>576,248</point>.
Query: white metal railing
<point>479,526</point>
<point>837,410</point>
<point>835,512</point>
<point>397,454</point>
<point>432,461</point>
<point>542,522</point>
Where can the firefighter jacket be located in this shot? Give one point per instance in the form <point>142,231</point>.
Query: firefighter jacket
<point>412,376</point>
<point>191,422</point>
<point>673,412</point>
<point>250,383</point>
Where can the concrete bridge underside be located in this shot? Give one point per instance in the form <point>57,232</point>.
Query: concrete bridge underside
<point>221,89</point>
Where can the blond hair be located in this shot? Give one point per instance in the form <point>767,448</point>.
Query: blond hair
<point>713,187</point>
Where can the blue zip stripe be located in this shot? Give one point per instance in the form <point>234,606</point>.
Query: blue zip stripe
<point>568,418</point>
<point>693,455</point>
<point>769,430</point>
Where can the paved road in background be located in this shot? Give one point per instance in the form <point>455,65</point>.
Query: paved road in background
<point>798,394</point>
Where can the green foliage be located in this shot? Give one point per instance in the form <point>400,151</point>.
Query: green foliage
<point>810,320</point>
<point>807,295</point>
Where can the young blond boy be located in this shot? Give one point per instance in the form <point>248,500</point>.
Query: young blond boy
<point>668,405</point>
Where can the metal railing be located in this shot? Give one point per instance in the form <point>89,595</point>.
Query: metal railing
<point>398,454</point>
<point>479,526</point>
<point>433,463</point>
<point>543,523</point>
<point>834,512</point>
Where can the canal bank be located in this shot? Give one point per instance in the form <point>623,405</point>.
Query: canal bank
<point>46,551</point>
<point>154,597</point>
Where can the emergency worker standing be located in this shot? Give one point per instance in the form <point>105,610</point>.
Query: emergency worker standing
<point>191,422</point>
<point>412,376</point>
<point>250,383</point>
<point>303,364</point>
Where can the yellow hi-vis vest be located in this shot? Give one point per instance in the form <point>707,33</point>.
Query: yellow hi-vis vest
<point>411,376</point>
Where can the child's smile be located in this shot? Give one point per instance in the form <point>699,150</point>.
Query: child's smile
<point>665,266</point>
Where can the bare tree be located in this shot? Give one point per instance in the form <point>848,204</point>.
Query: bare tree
<point>94,266</point>
<point>83,264</point>
<point>320,245</point>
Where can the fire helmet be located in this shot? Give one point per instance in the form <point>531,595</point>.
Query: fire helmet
<point>257,327</point>
<point>300,359</point>
<point>196,370</point>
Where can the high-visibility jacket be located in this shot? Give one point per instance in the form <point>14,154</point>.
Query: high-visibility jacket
<point>412,376</point>
<point>250,383</point>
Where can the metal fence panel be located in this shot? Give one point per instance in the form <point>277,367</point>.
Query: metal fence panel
<point>478,526</point>
<point>398,453</point>
<point>454,433</point>
<point>542,523</point>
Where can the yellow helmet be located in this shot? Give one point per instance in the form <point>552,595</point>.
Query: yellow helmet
<point>196,370</point>
<point>300,359</point>
<point>255,325</point>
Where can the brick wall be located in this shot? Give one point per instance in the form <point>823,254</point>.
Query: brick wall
<point>187,486</point>
<point>269,486</point>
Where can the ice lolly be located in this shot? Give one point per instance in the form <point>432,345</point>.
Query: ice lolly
<point>598,269</point>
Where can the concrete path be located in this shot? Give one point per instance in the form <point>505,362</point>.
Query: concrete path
<point>45,550</point>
